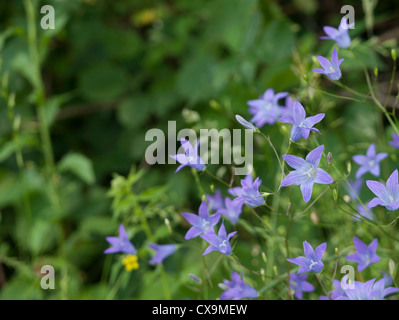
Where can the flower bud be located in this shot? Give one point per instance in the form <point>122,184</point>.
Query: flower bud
<point>329,158</point>
<point>393,54</point>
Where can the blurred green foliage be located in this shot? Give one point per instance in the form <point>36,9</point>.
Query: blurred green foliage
<point>112,70</point>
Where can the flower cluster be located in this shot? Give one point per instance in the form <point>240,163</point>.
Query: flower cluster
<point>305,172</point>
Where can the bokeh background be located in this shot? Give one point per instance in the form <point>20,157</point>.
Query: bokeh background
<point>77,102</point>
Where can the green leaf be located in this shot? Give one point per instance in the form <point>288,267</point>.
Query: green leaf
<point>79,165</point>
<point>43,236</point>
<point>134,111</point>
<point>103,82</point>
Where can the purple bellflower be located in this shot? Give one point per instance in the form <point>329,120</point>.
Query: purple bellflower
<point>249,192</point>
<point>266,109</point>
<point>381,291</point>
<point>340,35</point>
<point>218,242</point>
<point>312,259</point>
<point>330,69</point>
<point>190,157</point>
<point>215,201</point>
<point>369,162</point>
<point>388,195</point>
<point>298,284</point>
<point>395,142</point>
<point>121,244</point>
<point>301,125</point>
<point>365,255</point>
<point>237,289</point>
<point>161,252</point>
<point>201,223</point>
<point>306,172</point>
<point>360,291</point>
<point>233,209</point>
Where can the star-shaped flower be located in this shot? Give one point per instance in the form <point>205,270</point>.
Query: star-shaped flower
<point>306,172</point>
<point>395,142</point>
<point>233,209</point>
<point>340,35</point>
<point>312,259</point>
<point>219,242</point>
<point>202,222</point>
<point>266,109</point>
<point>190,157</point>
<point>237,289</point>
<point>365,255</point>
<point>388,195</point>
<point>301,125</point>
<point>121,244</point>
<point>249,192</point>
<point>161,252</point>
<point>330,69</point>
<point>369,162</point>
<point>298,284</point>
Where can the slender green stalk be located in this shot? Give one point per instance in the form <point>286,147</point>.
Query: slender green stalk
<point>197,181</point>
<point>216,178</point>
<point>40,100</point>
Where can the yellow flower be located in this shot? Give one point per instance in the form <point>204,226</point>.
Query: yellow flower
<point>130,262</point>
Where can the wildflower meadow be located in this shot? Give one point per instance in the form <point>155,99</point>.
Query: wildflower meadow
<point>199,150</point>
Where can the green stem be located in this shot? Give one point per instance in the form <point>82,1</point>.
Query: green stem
<point>165,283</point>
<point>216,178</point>
<point>197,181</point>
<point>150,236</point>
<point>40,101</point>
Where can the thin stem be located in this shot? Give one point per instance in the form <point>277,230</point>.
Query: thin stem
<point>40,101</point>
<point>216,178</point>
<point>391,84</point>
<point>197,181</point>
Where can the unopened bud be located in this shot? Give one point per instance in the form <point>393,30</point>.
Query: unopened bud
<point>336,251</point>
<point>376,71</point>
<point>329,158</point>
<point>264,258</point>
<point>392,268</point>
<point>275,271</point>
<point>194,278</point>
<point>262,273</point>
<point>167,222</point>
<point>348,167</point>
<point>335,195</point>
<point>393,54</point>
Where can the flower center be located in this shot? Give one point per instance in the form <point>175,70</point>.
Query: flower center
<point>205,224</point>
<point>371,163</point>
<point>268,106</point>
<point>312,264</point>
<point>331,69</point>
<point>312,173</point>
<point>223,245</point>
